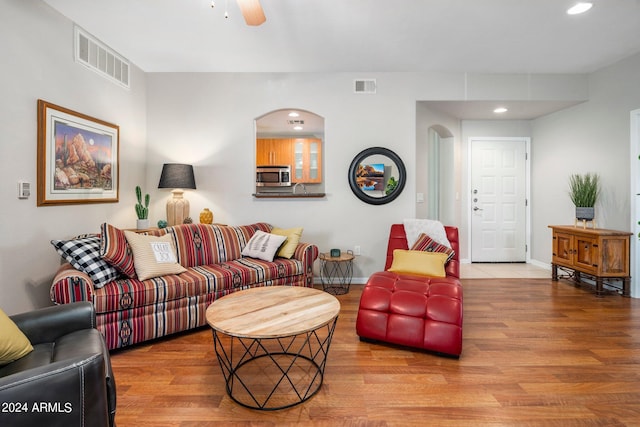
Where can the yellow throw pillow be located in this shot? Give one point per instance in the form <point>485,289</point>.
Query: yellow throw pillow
<point>289,246</point>
<point>153,256</point>
<point>419,263</point>
<point>13,343</point>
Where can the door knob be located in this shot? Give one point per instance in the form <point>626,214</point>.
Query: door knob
<point>475,208</point>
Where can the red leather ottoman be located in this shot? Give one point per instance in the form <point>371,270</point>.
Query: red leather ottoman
<point>414,311</point>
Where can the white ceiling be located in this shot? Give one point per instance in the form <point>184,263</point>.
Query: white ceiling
<point>276,123</point>
<point>485,36</point>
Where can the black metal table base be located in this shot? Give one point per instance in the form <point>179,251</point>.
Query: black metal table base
<point>274,373</point>
<point>601,285</point>
<point>336,276</point>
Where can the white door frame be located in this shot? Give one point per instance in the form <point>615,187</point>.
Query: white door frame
<point>634,202</point>
<point>527,178</point>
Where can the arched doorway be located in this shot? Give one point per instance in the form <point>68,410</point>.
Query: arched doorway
<point>440,182</point>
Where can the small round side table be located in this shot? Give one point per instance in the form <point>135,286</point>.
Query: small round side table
<point>336,272</point>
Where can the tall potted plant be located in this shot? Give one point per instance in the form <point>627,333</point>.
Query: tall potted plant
<point>584,190</point>
<point>142,211</point>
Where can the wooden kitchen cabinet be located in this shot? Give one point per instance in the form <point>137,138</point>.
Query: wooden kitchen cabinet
<point>307,160</point>
<point>303,155</point>
<point>602,254</point>
<point>274,152</point>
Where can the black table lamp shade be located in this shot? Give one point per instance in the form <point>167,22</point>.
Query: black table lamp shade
<point>177,175</point>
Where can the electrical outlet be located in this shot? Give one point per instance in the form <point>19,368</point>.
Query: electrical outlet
<point>356,250</point>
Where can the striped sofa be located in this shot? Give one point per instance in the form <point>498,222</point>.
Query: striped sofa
<point>129,311</point>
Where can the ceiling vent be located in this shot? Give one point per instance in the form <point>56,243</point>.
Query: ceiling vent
<point>364,86</point>
<point>98,57</point>
<point>295,122</point>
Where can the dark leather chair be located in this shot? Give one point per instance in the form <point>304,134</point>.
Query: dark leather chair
<point>67,379</point>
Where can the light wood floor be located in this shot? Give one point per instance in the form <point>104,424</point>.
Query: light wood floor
<point>535,353</point>
<point>503,271</point>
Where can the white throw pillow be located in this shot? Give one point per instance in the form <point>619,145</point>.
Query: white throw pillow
<point>263,245</point>
<point>434,229</point>
<point>153,256</point>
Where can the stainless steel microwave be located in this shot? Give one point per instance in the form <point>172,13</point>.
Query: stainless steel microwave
<point>273,176</point>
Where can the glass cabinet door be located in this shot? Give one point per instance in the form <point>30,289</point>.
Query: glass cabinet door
<point>307,160</point>
<point>314,160</point>
<point>298,159</point>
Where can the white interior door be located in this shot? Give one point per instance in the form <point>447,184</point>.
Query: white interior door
<point>498,200</point>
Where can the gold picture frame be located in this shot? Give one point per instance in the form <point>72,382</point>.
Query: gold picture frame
<point>78,157</point>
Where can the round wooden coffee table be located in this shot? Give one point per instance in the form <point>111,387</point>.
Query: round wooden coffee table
<point>272,343</point>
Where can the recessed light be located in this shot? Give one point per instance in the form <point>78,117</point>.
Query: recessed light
<point>500,110</point>
<point>580,7</point>
<point>297,128</point>
<point>293,114</point>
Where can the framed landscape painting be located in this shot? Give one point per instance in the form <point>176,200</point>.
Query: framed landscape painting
<point>371,177</point>
<point>77,157</point>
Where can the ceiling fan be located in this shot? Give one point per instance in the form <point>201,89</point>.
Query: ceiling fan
<point>252,12</point>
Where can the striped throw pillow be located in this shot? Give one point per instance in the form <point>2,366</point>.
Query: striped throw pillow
<point>116,251</point>
<point>427,244</point>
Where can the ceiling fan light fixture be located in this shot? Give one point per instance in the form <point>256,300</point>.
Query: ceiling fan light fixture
<point>252,12</point>
<point>579,8</point>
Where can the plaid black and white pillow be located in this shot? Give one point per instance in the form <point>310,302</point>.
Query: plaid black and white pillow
<point>84,255</point>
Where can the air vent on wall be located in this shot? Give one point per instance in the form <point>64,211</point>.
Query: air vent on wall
<point>365,86</point>
<point>98,57</point>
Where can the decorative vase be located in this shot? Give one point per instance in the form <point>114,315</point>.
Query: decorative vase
<point>142,224</point>
<point>585,213</point>
<point>206,216</point>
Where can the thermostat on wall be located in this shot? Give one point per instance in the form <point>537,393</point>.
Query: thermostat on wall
<point>24,190</point>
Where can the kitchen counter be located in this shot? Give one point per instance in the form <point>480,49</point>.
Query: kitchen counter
<point>287,195</point>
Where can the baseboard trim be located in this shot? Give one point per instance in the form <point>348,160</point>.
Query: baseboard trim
<point>354,280</point>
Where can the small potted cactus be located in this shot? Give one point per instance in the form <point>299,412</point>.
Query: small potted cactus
<point>142,211</point>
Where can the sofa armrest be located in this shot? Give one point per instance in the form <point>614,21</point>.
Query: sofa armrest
<point>71,285</point>
<point>71,392</point>
<point>50,323</point>
<point>307,253</point>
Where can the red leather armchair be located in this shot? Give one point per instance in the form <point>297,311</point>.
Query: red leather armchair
<point>415,311</point>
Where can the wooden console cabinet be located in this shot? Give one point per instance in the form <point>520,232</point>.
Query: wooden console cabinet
<point>602,254</point>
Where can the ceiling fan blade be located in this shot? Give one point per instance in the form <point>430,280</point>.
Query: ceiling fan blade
<point>252,12</point>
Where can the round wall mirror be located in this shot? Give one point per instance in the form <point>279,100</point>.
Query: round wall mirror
<point>377,175</point>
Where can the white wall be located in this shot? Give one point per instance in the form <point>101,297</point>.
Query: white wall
<point>207,119</point>
<point>36,44</point>
<point>446,124</point>
<point>589,137</point>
